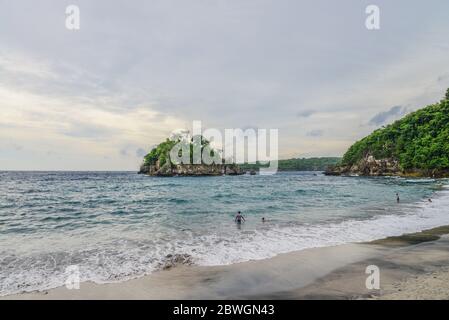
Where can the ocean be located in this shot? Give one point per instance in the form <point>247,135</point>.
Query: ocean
<point>116,226</point>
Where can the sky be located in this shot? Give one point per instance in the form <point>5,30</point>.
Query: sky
<point>100,97</point>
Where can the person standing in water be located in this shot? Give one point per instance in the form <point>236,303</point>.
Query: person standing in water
<point>239,218</point>
<point>397,197</point>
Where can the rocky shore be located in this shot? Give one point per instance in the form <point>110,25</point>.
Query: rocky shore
<point>170,170</point>
<point>369,166</point>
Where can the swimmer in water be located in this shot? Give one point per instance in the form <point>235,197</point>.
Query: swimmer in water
<point>397,197</point>
<point>263,219</point>
<point>430,200</point>
<point>239,218</point>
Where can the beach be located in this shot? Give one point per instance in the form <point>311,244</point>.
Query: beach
<point>408,270</point>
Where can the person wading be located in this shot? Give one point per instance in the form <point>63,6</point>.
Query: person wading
<point>239,218</point>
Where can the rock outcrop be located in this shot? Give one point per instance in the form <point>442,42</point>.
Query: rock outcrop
<point>368,166</point>
<point>170,170</point>
<point>174,260</point>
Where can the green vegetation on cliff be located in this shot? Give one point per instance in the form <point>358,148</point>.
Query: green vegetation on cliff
<point>419,141</point>
<point>304,164</point>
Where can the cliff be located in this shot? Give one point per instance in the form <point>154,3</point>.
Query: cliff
<point>168,170</point>
<point>368,166</point>
<point>416,145</point>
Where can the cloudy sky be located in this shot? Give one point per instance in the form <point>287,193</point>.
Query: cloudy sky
<point>100,97</point>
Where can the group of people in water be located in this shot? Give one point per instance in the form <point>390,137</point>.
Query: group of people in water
<point>239,218</point>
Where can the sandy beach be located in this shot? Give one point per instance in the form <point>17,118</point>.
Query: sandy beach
<point>414,266</point>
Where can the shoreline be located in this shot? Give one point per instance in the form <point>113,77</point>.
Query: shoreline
<point>337,272</point>
<point>418,174</point>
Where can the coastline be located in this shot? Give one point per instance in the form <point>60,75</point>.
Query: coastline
<point>387,167</point>
<point>407,263</point>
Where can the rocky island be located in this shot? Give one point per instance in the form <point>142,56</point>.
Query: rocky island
<point>416,145</point>
<point>159,162</point>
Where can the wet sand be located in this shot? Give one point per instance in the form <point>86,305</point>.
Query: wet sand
<point>412,266</point>
<point>406,272</point>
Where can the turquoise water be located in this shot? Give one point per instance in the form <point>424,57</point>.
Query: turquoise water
<point>117,226</point>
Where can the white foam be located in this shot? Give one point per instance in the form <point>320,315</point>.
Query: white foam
<point>125,260</point>
<point>213,250</point>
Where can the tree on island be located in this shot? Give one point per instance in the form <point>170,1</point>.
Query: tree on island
<point>162,151</point>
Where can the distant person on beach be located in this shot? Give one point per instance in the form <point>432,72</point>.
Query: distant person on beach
<point>397,197</point>
<point>263,219</point>
<point>239,218</point>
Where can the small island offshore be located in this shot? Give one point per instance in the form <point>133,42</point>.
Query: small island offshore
<point>159,162</point>
<point>414,146</point>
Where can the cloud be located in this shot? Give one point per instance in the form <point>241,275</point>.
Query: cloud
<point>443,77</point>
<point>19,65</point>
<point>382,117</point>
<point>305,113</point>
<point>138,70</point>
<point>141,153</point>
<point>250,127</point>
<point>85,130</point>
<point>315,133</point>
<point>16,147</point>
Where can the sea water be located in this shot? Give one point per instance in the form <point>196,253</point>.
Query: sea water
<point>120,225</point>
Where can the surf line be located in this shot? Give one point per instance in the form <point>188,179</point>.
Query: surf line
<point>185,310</point>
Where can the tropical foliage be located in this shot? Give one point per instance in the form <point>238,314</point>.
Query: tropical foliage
<point>162,151</point>
<point>300,164</point>
<point>420,140</point>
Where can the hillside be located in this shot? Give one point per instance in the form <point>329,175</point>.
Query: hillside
<point>299,164</point>
<point>417,144</point>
